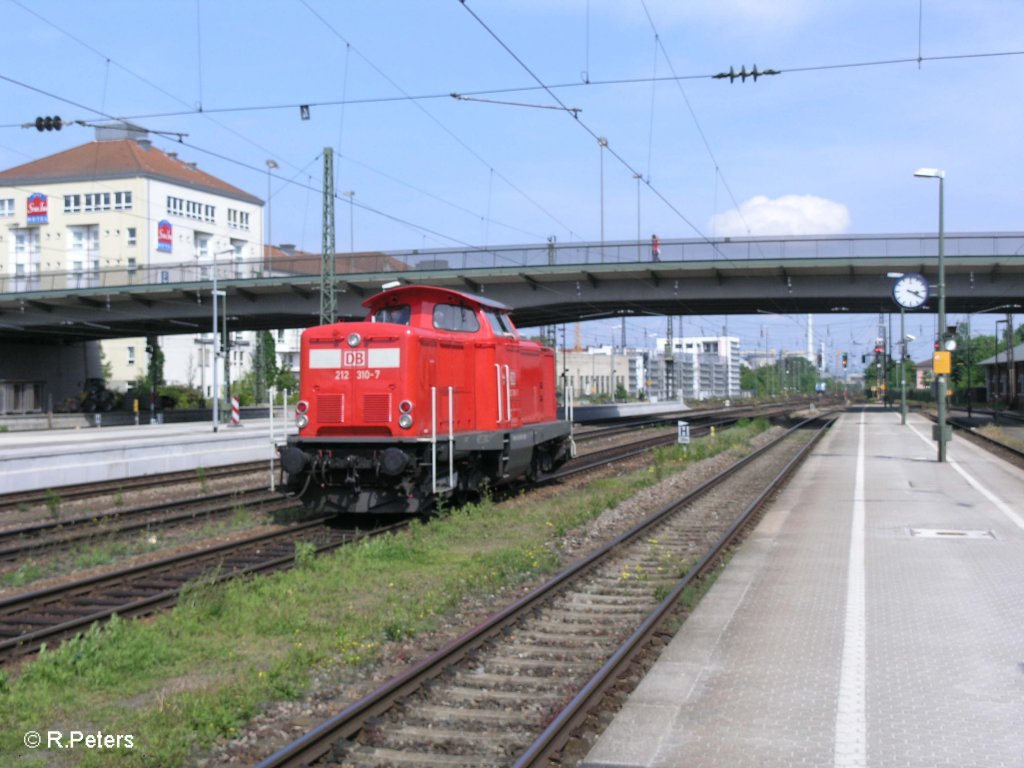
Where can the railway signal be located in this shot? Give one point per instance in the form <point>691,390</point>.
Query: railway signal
<point>49,123</point>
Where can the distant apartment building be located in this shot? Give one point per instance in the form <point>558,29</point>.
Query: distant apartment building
<point>120,210</point>
<point>699,368</point>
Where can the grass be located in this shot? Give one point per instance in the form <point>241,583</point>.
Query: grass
<point>184,680</point>
<point>111,549</point>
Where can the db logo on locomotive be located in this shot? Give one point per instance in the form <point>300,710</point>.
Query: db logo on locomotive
<point>353,358</point>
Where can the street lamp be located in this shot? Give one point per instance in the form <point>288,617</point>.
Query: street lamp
<point>270,165</point>
<point>216,342</point>
<point>941,433</point>
<point>639,255</point>
<point>602,144</point>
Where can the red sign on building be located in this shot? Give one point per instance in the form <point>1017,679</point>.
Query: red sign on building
<point>164,236</point>
<point>38,208</point>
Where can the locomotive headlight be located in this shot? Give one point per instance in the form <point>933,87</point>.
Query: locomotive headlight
<point>302,420</point>
<point>405,407</point>
<point>405,421</point>
<point>354,339</point>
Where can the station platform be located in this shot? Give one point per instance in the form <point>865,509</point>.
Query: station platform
<point>875,617</point>
<point>37,460</point>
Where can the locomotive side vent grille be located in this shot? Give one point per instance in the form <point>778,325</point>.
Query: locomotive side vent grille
<point>331,409</point>
<point>377,408</point>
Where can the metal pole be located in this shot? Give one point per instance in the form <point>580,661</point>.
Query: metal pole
<point>215,345</point>
<point>903,367</point>
<point>602,143</point>
<point>942,320</point>
<point>226,340</point>
<point>639,254</point>
<point>940,432</point>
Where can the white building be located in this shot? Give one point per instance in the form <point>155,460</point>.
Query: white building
<point>598,372</point>
<point>702,367</point>
<point>117,210</point>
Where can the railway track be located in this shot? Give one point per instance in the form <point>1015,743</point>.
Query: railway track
<point>58,535</point>
<point>44,616</point>
<point>13,501</point>
<point>29,619</point>
<point>965,430</point>
<point>511,691</point>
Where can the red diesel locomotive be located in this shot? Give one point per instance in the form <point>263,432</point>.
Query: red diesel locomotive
<point>432,395</point>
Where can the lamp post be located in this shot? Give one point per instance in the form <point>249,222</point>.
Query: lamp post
<point>270,165</point>
<point>941,432</point>
<point>639,253</point>
<point>903,354</point>
<point>602,142</point>
<point>216,342</point>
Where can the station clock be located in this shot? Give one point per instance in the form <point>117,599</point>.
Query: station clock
<point>910,291</point>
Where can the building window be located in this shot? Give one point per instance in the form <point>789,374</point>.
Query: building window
<point>72,203</point>
<point>132,236</point>
<point>7,207</point>
<point>27,256</point>
<point>97,201</point>
<point>122,201</point>
<point>238,219</point>
<point>131,355</point>
<point>202,243</point>
<point>175,206</point>
<point>209,213</point>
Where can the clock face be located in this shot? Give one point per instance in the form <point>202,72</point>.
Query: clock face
<point>910,291</point>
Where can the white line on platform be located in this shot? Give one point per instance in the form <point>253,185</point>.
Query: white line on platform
<point>851,722</point>
<point>998,503</point>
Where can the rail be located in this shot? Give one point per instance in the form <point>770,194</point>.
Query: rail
<point>910,246</point>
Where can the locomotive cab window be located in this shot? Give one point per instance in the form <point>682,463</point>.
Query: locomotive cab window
<point>450,317</point>
<point>399,315</point>
<point>499,323</point>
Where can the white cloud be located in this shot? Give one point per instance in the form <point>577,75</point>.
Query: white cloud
<point>786,215</point>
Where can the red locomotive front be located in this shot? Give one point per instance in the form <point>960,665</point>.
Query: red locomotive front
<point>434,393</point>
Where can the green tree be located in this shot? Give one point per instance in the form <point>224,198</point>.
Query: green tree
<point>264,366</point>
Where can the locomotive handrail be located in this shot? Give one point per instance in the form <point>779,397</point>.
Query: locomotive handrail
<point>497,371</point>
<point>433,440</point>
<point>508,395</point>
<point>451,439</point>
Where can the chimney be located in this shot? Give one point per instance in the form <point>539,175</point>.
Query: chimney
<point>288,248</point>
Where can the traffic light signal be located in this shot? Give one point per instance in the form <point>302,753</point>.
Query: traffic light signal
<point>49,123</point>
<point>845,360</point>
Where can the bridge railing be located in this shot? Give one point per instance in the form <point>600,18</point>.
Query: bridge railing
<point>727,250</point>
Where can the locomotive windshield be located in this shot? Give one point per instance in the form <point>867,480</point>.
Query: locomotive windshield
<point>499,323</point>
<point>398,315</point>
<point>449,317</point>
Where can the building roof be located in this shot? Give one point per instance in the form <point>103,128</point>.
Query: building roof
<point>124,158</point>
<point>1000,357</point>
<point>288,260</point>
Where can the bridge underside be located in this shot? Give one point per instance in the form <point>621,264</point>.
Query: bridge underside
<point>540,295</point>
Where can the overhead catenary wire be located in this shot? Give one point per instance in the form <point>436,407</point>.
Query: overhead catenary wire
<point>487,164</point>
<point>440,96</point>
<point>600,139</point>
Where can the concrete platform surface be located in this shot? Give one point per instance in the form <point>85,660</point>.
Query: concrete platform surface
<point>874,618</point>
<point>43,459</point>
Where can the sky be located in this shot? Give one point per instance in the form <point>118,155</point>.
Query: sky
<point>868,91</point>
